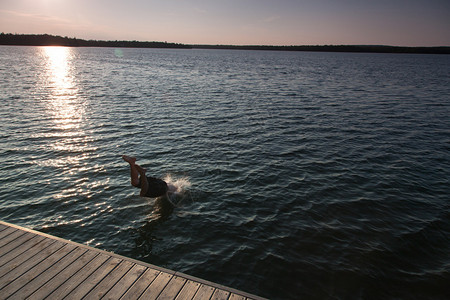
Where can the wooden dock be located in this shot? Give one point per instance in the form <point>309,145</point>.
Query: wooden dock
<point>35,265</point>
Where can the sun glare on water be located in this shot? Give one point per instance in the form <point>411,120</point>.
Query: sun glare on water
<point>58,66</point>
<point>64,104</point>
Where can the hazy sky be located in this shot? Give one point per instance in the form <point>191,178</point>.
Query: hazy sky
<point>262,22</point>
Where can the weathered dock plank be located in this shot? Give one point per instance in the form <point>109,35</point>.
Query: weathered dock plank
<point>156,287</point>
<point>30,273</point>
<point>173,288</point>
<point>204,292</point>
<point>7,235</point>
<point>236,297</point>
<point>35,283</point>
<point>5,248</point>
<point>125,282</point>
<point>56,281</point>
<point>76,279</point>
<point>35,265</point>
<point>3,226</point>
<point>141,284</point>
<point>7,231</point>
<point>19,250</point>
<point>25,260</point>
<point>89,283</point>
<point>110,280</point>
<point>188,291</point>
<point>220,295</point>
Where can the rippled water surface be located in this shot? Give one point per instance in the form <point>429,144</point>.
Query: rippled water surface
<point>312,175</point>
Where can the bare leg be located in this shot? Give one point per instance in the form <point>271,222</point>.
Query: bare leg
<point>143,180</point>
<point>134,174</point>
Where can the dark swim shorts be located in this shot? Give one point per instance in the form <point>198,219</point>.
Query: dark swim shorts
<point>156,187</point>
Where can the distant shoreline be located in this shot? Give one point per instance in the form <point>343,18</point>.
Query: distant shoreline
<point>337,48</point>
<point>53,40</point>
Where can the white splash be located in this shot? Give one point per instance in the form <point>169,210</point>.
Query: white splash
<point>177,186</point>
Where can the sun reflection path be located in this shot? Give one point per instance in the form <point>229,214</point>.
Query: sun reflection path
<point>71,143</point>
<point>64,105</point>
<point>70,147</point>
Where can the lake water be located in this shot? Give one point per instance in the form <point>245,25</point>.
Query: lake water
<point>304,175</point>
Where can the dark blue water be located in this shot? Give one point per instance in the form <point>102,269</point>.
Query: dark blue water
<point>304,175</point>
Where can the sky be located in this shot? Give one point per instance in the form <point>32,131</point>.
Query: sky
<point>236,22</point>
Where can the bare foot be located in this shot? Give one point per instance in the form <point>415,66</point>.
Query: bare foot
<point>129,159</point>
<point>140,169</point>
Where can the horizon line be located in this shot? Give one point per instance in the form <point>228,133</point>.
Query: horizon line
<point>223,45</point>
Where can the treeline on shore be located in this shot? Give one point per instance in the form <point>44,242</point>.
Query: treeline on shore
<point>338,48</point>
<point>52,40</point>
